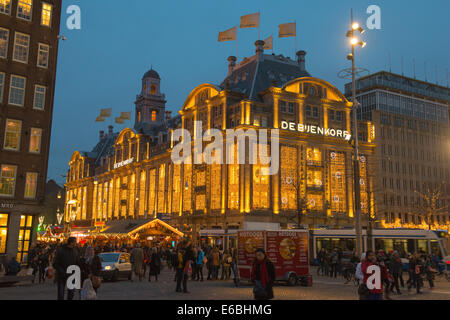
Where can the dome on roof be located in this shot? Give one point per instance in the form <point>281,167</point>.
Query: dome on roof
<point>152,74</point>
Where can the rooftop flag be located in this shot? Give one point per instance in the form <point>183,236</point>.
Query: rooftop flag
<point>106,113</point>
<point>228,35</point>
<point>287,30</point>
<point>119,120</point>
<point>250,20</point>
<point>125,115</point>
<point>268,43</point>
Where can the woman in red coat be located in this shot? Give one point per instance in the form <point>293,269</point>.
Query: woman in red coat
<point>376,292</point>
<point>263,273</point>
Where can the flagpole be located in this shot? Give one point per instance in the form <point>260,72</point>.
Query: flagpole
<point>259,23</point>
<point>295,41</point>
<point>236,44</point>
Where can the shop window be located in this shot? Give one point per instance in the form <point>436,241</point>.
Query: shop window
<point>25,236</point>
<point>3,232</point>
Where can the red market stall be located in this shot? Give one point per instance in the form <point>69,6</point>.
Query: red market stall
<point>288,251</point>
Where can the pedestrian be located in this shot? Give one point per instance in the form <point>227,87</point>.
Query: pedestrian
<point>215,263</point>
<point>94,265</point>
<point>43,263</point>
<point>66,255</point>
<point>136,259</point>
<point>180,271</point>
<point>358,273</point>
<point>396,269</point>
<point>155,265</point>
<point>334,260</point>
<point>209,266</point>
<point>429,270</point>
<point>415,273</point>
<point>263,274</point>
<point>226,263</point>
<point>194,264</point>
<point>12,267</point>
<point>234,267</point>
<point>199,264</point>
<point>188,260</point>
<point>373,293</point>
<point>321,261</point>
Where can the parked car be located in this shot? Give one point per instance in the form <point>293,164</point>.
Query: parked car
<point>115,265</point>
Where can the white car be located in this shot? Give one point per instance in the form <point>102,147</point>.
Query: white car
<point>115,265</point>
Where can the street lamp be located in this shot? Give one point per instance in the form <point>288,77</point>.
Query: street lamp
<point>354,41</point>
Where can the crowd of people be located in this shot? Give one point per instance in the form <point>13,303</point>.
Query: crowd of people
<point>421,267</point>
<point>204,262</point>
<point>188,262</point>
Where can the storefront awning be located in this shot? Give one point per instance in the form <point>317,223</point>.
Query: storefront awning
<point>131,227</point>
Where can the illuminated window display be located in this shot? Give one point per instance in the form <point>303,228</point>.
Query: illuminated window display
<point>25,236</point>
<point>187,188</point>
<point>117,198</point>
<point>95,202</point>
<point>289,178</point>
<point>216,182</point>
<point>233,181</point>
<point>200,202</point>
<point>176,189</point>
<point>338,182</point>
<point>314,178</point>
<point>124,197</point>
<point>161,186</point>
<point>152,193</point>
<point>314,202</point>
<point>109,191</point>
<point>141,210</point>
<point>3,232</point>
<point>132,198</point>
<point>313,156</point>
<point>200,178</point>
<point>363,183</point>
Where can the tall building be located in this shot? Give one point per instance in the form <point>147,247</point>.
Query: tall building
<point>29,32</point>
<point>411,120</point>
<point>130,177</point>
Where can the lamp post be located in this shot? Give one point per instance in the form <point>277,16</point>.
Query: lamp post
<point>354,27</point>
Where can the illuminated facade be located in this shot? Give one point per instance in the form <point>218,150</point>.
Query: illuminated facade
<point>130,175</point>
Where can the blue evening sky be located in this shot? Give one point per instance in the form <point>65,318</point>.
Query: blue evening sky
<point>102,64</point>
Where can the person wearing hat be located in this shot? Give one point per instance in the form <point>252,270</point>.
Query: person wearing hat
<point>263,274</point>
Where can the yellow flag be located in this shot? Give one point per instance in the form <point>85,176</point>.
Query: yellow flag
<point>106,113</point>
<point>250,21</point>
<point>287,30</point>
<point>100,119</point>
<point>228,35</point>
<point>119,120</point>
<point>268,43</point>
<point>125,115</point>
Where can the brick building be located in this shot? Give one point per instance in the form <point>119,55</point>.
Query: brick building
<point>29,36</point>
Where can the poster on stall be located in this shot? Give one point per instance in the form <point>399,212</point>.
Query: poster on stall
<point>288,250</point>
<point>248,243</point>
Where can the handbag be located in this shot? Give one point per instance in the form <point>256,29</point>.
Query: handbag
<point>205,260</point>
<point>50,273</point>
<point>259,291</point>
<point>363,290</point>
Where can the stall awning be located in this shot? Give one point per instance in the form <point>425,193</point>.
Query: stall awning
<point>131,227</point>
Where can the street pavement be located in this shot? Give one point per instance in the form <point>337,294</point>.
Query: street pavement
<point>324,288</point>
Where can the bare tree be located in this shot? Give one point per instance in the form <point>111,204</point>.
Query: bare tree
<point>431,199</point>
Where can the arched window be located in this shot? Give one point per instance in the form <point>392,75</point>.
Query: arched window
<point>154,115</point>
<point>153,89</point>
